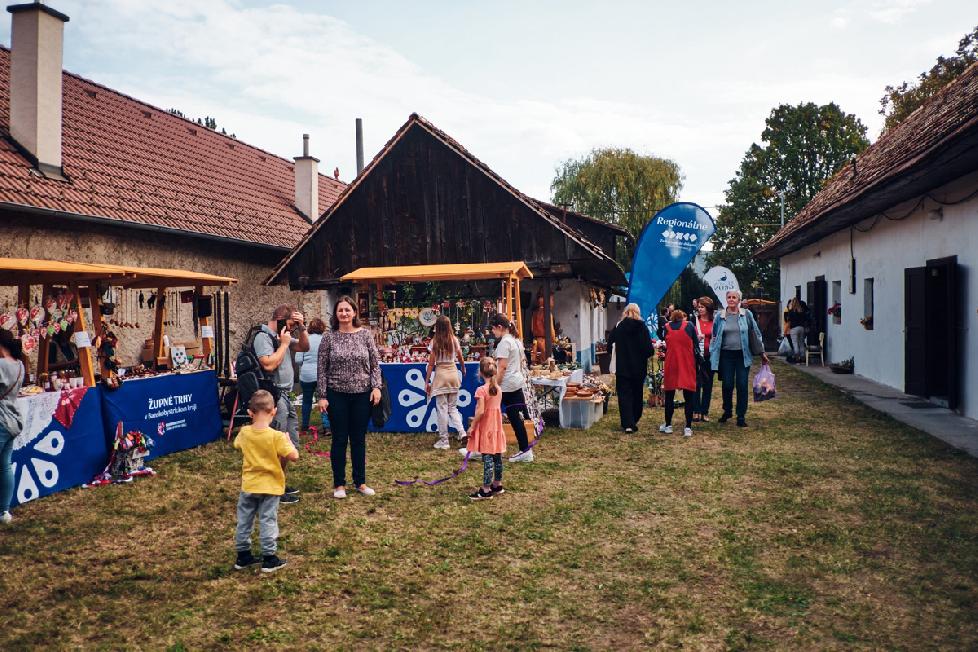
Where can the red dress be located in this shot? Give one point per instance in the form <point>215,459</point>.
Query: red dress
<point>680,365</point>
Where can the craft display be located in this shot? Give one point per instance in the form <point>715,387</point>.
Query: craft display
<point>404,334</point>
<point>127,458</point>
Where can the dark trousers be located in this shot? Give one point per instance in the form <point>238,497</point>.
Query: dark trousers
<point>308,389</point>
<point>704,388</point>
<point>689,405</point>
<point>514,405</point>
<point>631,394</point>
<point>348,417</point>
<point>733,372</point>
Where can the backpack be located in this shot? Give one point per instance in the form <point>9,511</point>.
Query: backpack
<point>251,375</point>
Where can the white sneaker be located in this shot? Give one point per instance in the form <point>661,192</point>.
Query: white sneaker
<point>6,518</point>
<point>628,431</point>
<point>462,435</point>
<point>687,432</point>
<point>525,456</point>
<point>366,491</point>
<point>339,492</point>
<point>474,457</point>
<point>667,430</point>
<point>442,444</point>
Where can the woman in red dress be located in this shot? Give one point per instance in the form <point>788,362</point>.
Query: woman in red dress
<point>682,352</point>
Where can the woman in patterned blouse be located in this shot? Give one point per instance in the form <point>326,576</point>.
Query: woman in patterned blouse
<point>349,383</point>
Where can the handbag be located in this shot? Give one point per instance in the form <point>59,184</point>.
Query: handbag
<point>380,413</point>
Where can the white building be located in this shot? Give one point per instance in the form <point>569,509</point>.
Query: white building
<point>893,239</point>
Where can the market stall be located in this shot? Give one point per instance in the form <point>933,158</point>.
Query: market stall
<point>72,408</point>
<point>403,332</point>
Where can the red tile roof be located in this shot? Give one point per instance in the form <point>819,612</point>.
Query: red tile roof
<point>135,163</point>
<point>904,151</point>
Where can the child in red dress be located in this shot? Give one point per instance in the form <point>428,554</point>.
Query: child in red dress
<point>486,435</point>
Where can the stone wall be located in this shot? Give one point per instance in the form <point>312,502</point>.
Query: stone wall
<point>63,239</point>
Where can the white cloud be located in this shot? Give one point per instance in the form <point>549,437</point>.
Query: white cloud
<point>893,11</point>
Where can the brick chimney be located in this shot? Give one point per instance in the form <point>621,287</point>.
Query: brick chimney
<point>36,44</point>
<point>307,182</point>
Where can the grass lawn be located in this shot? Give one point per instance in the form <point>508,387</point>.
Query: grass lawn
<point>823,525</point>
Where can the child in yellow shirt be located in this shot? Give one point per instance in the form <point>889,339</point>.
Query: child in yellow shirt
<point>262,483</point>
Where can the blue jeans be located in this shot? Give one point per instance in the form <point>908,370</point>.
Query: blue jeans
<point>348,418</point>
<point>6,470</point>
<point>308,389</point>
<point>733,372</point>
<point>265,508</point>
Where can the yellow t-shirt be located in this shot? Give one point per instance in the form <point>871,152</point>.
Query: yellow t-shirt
<point>261,470</point>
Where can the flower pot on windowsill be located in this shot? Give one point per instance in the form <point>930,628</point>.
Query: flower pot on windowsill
<point>867,323</point>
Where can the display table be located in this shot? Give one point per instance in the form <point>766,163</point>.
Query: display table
<point>49,456</point>
<point>177,410</point>
<point>411,409</point>
<point>554,390</point>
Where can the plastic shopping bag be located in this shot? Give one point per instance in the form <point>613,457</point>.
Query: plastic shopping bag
<point>785,347</point>
<point>764,384</point>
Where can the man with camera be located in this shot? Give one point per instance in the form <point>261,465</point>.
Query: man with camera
<point>274,345</point>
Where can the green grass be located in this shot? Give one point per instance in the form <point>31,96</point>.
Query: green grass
<point>823,525</point>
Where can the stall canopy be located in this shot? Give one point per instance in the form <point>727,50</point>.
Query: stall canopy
<point>421,273</point>
<point>24,272</point>
<point>510,273</point>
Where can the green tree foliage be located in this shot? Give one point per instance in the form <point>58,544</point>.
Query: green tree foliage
<point>900,101</point>
<point>801,147</point>
<point>617,186</point>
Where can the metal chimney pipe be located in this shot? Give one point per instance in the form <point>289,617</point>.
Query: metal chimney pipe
<point>359,146</point>
<point>305,144</point>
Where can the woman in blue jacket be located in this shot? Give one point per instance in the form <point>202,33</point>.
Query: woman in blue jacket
<point>730,354</point>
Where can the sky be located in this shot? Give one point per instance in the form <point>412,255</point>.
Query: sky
<point>522,85</point>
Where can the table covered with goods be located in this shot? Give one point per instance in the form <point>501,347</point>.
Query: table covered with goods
<point>89,417</point>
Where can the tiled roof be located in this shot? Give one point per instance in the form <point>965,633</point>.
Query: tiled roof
<point>135,163</point>
<point>902,151</point>
<point>534,205</point>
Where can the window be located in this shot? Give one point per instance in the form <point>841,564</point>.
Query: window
<point>836,302</point>
<point>867,320</point>
<point>798,292</point>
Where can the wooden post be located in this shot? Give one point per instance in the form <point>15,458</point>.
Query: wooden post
<point>509,298</point>
<point>206,343</point>
<point>519,310</point>
<point>96,301</point>
<point>547,318</point>
<point>85,362</point>
<point>158,326</point>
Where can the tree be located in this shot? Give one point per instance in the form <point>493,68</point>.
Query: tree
<point>617,186</point>
<point>900,101</point>
<point>802,146</point>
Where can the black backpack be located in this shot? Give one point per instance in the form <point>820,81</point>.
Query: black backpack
<point>381,412</point>
<point>251,376</point>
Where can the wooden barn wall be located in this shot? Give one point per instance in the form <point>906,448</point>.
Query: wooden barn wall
<point>424,204</point>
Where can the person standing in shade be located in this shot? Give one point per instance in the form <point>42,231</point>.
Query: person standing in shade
<point>679,370</point>
<point>704,372</point>
<point>510,357</point>
<point>349,383</point>
<point>730,354</point>
<point>12,373</point>
<point>308,362</point>
<point>284,334</point>
<point>632,346</point>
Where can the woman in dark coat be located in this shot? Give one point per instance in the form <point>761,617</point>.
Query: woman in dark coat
<point>632,344</point>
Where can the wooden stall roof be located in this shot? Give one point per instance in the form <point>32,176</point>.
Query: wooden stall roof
<point>28,271</point>
<point>471,272</point>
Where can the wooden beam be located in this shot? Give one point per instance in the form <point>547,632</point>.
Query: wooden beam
<point>547,319</point>
<point>206,343</point>
<point>519,311</point>
<point>158,325</point>
<point>96,302</point>
<point>85,361</point>
<point>44,342</point>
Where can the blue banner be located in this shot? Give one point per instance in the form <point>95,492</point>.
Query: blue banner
<point>411,410</point>
<point>48,457</point>
<point>668,243</point>
<point>178,411</point>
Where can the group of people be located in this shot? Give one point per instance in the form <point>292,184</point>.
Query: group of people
<point>797,322</point>
<point>696,347</point>
<point>341,367</point>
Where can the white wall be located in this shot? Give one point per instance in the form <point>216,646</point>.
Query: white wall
<point>882,254</point>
